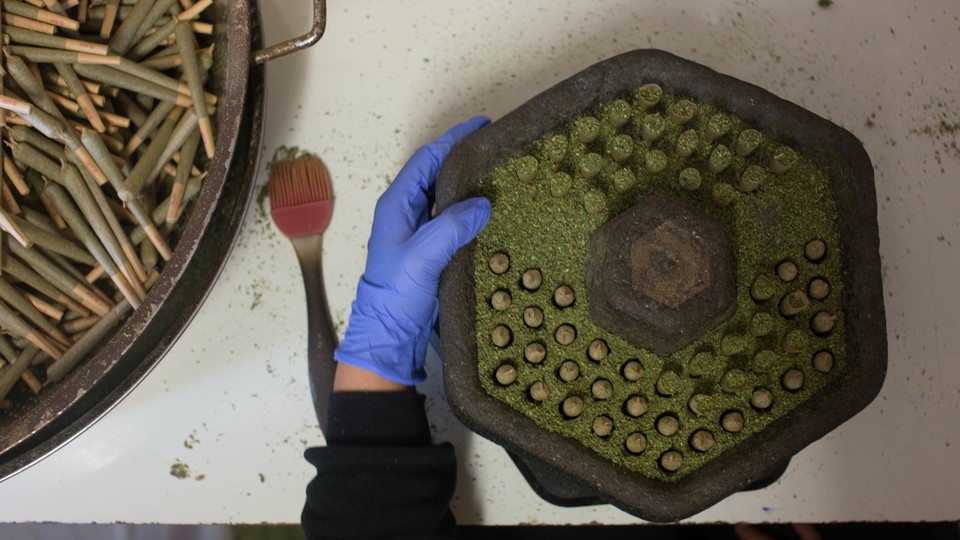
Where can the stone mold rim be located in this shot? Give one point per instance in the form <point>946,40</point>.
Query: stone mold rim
<point>831,147</point>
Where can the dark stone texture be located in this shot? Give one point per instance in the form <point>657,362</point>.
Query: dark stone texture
<point>660,274</point>
<point>761,455</point>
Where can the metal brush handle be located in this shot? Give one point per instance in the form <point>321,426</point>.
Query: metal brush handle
<point>298,43</point>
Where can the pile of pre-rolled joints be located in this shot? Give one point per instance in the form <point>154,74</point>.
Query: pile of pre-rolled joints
<point>103,115</point>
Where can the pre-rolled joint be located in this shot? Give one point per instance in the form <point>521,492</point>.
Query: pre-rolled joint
<point>682,111</point>
<point>602,426</point>
<point>526,168</point>
<point>572,407</point>
<point>719,159</point>
<point>794,303</point>
<point>539,391</point>
<point>598,350</point>
<point>619,113</point>
<point>587,129</point>
<point>687,143</point>
<point>556,148</point>
<point>501,336</point>
<point>635,406</point>
<point>535,353</point>
<point>717,126</point>
<point>506,374</point>
<point>652,127</point>
<point>648,96</point>
<point>601,389</point>
<point>620,147</point>
<point>563,296</point>
<point>784,159</point>
<point>690,179</point>
<point>655,162</point>
<point>569,371</point>
<point>671,461</point>
<point>747,142</point>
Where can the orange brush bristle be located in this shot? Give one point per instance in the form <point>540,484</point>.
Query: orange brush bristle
<point>301,199</point>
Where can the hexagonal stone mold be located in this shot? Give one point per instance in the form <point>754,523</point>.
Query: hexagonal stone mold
<point>563,468</point>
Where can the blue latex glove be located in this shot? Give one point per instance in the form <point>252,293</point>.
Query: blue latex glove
<point>396,303</point>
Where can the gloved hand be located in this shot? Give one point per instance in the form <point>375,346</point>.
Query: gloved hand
<point>396,303</point>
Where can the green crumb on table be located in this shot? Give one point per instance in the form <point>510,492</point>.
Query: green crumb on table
<point>180,470</point>
<point>286,153</point>
<point>262,195</point>
<point>824,3</point>
<point>725,385</point>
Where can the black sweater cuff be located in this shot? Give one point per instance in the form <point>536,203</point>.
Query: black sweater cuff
<point>380,418</point>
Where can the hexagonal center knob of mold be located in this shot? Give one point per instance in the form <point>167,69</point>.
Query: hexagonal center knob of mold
<point>669,264</point>
<point>660,274</point>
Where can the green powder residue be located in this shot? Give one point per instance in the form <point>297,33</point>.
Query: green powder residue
<point>546,223</point>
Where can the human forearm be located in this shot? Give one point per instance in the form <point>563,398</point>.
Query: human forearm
<point>354,379</point>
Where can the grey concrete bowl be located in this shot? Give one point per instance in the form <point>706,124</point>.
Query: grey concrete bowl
<point>567,462</point>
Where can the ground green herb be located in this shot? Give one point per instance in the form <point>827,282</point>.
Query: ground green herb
<point>545,224</point>
<point>180,470</point>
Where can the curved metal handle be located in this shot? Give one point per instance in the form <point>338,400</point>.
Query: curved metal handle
<point>299,43</point>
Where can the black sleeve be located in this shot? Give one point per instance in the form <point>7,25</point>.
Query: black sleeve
<point>379,475</point>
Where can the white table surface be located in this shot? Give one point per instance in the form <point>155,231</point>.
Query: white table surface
<point>230,399</point>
